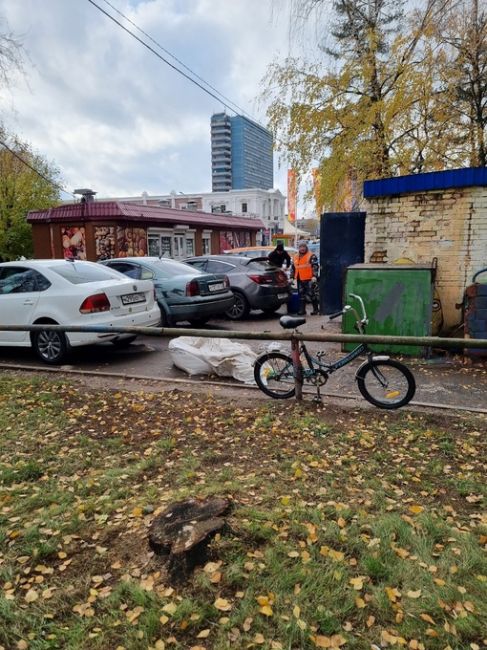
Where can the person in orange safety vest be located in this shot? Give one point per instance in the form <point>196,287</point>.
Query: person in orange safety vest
<point>305,269</point>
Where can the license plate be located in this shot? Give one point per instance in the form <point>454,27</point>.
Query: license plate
<point>282,296</point>
<point>131,298</point>
<point>218,286</point>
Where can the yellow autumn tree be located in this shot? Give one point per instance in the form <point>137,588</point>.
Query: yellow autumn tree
<point>357,110</point>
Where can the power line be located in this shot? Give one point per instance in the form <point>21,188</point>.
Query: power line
<point>159,56</point>
<point>36,171</point>
<point>240,109</point>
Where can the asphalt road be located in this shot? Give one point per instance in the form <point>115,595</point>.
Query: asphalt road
<point>439,380</point>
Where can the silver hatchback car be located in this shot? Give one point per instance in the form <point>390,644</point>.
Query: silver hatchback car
<point>256,284</point>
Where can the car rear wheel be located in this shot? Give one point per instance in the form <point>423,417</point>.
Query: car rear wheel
<point>240,308</point>
<point>51,347</point>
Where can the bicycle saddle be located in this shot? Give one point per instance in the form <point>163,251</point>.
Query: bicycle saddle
<point>289,322</point>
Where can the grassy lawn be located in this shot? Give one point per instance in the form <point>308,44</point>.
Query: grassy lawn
<point>350,529</point>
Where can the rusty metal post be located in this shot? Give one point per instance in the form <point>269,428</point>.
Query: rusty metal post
<point>297,369</point>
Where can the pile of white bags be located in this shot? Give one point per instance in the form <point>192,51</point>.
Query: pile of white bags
<point>200,356</point>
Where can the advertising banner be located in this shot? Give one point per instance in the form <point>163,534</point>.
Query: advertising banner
<point>291,195</point>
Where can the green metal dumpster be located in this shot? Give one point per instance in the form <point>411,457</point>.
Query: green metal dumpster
<point>398,299</point>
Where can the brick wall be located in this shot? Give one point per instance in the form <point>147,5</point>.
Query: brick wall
<point>448,224</point>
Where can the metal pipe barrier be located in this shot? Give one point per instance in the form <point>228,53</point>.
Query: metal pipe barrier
<point>293,336</point>
<point>425,341</point>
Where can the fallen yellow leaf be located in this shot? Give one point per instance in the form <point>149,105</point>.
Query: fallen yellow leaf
<point>203,634</point>
<point>266,610</point>
<point>321,641</point>
<point>222,604</point>
<point>338,556</point>
<point>393,594</point>
<point>415,509</point>
<point>31,596</point>
<point>357,583</point>
<point>427,618</point>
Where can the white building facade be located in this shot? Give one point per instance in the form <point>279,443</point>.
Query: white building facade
<point>267,205</point>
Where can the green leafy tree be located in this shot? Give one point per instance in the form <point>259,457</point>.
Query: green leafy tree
<point>22,189</point>
<point>27,180</point>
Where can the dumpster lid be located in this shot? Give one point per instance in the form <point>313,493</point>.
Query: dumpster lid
<point>394,267</point>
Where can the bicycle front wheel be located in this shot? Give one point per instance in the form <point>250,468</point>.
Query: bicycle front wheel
<point>386,384</point>
<point>273,373</point>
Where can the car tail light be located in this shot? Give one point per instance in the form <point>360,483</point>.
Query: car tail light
<point>262,279</point>
<point>193,288</point>
<point>281,278</point>
<point>93,304</point>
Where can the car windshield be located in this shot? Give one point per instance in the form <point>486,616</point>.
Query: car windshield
<point>170,268</point>
<point>83,273</point>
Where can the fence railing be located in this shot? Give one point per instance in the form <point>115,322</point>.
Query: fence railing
<point>293,336</point>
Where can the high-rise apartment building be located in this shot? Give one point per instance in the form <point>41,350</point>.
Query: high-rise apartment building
<point>241,154</point>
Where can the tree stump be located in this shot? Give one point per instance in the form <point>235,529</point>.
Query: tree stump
<point>183,531</point>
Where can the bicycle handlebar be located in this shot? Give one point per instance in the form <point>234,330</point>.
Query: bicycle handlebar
<point>332,316</point>
<point>360,321</point>
<point>361,302</point>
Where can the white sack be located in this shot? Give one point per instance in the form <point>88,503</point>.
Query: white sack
<point>196,356</point>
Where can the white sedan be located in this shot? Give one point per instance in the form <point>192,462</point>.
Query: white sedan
<point>64,292</point>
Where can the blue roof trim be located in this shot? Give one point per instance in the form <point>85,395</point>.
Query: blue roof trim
<point>468,177</point>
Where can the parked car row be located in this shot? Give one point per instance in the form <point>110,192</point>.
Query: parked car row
<point>139,291</point>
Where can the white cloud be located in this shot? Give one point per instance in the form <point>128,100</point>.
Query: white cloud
<point>114,117</point>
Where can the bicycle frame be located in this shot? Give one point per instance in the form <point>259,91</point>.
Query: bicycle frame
<point>315,364</point>
<point>340,363</point>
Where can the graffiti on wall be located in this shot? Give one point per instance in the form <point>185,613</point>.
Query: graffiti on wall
<point>74,244</point>
<point>132,242</point>
<point>105,242</point>
<point>234,239</point>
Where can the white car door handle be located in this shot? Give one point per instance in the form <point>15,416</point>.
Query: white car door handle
<point>28,302</point>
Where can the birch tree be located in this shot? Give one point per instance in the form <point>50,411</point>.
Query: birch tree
<point>356,109</point>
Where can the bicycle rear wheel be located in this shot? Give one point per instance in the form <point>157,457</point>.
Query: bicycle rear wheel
<point>386,384</point>
<point>273,373</point>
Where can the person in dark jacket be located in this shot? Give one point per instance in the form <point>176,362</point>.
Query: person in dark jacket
<point>279,256</point>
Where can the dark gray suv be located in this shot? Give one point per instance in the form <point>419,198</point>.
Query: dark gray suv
<point>255,283</point>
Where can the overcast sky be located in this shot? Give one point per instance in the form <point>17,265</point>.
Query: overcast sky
<point>110,114</point>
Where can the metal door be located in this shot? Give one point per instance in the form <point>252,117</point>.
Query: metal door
<point>341,245</point>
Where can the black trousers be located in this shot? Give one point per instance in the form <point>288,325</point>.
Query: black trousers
<point>307,293</point>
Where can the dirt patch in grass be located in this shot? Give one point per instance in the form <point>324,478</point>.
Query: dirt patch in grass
<point>350,528</point>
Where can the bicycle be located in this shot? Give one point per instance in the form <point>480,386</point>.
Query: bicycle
<point>384,382</point>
